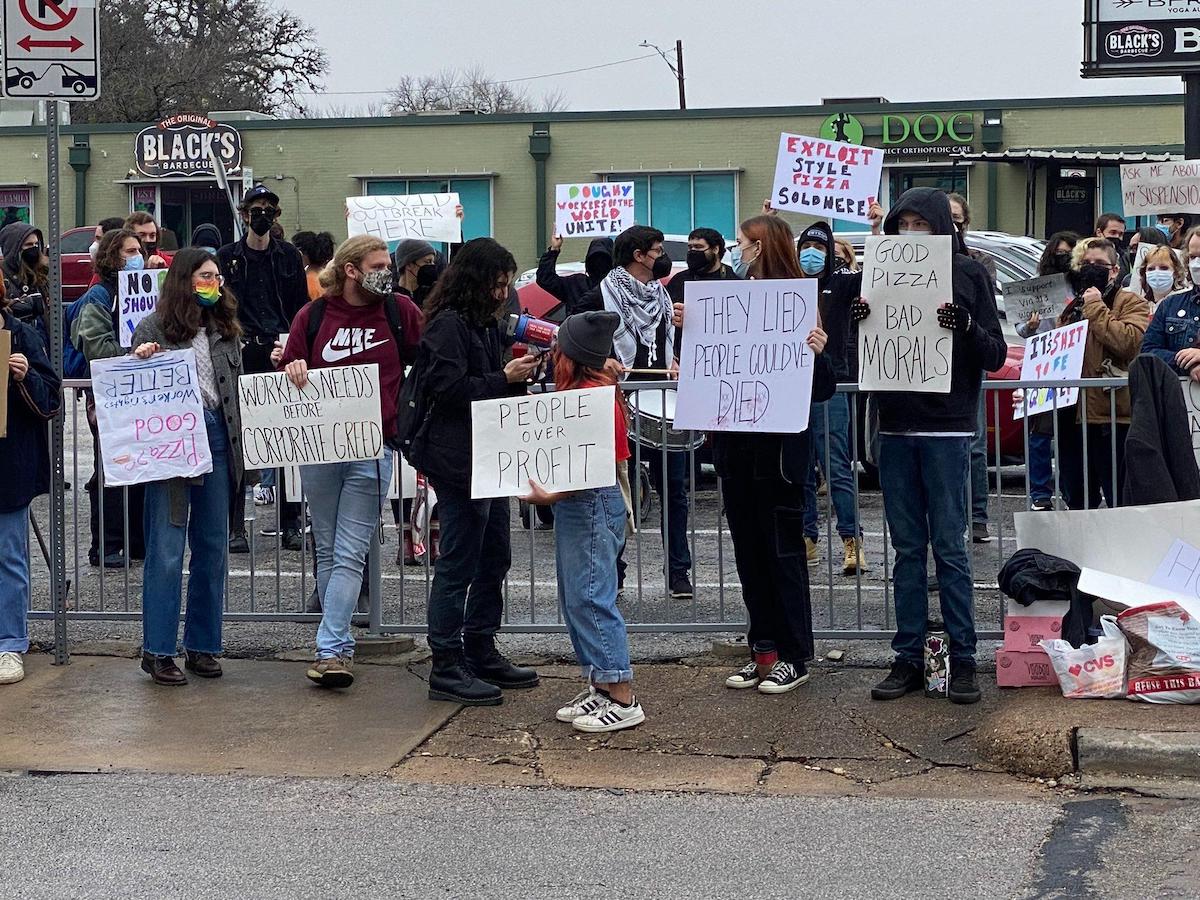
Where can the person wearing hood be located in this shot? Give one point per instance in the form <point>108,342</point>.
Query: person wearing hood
<point>206,237</point>
<point>924,462</point>
<point>26,275</point>
<point>571,289</point>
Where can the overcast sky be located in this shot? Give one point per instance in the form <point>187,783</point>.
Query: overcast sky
<point>736,53</point>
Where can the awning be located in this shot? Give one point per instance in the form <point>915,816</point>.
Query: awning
<point>1076,156</point>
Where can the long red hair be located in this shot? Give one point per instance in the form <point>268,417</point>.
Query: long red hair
<point>569,375</point>
<point>778,257</point>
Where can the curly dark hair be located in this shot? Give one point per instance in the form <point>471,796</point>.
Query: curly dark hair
<point>318,248</point>
<point>181,316</point>
<point>470,282</point>
<point>109,258</point>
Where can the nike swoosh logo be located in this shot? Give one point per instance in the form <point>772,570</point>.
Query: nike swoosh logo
<point>333,354</point>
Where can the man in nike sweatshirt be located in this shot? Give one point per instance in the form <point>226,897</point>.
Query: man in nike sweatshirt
<point>924,463</point>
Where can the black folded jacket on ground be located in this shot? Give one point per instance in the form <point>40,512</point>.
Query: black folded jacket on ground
<point>1031,575</point>
<point>1160,463</point>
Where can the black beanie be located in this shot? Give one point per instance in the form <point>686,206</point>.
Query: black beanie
<point>587,338</point>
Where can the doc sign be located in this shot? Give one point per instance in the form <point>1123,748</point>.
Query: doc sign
<point>180,147</point>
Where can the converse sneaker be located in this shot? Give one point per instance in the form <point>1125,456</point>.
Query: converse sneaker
<point>584,703</point>
<point>12,668</point>
<point>610,716</point>
<point>264,495</point>
<point>332,672</point>
<point>784,677</point>
<point>745,677</point>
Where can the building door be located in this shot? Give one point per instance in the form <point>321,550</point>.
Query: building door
<point>947,179</point>
<point>1070,200</point>
<point>185,206</point>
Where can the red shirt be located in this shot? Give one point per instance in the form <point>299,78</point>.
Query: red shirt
<point>622,436</point>
<point>358,336</point>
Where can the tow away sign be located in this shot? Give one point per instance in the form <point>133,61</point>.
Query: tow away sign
<point>51,49</point>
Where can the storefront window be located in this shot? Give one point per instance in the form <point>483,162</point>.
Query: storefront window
<point>952,181</point>
<point>675,204</point>
<point>16,205</point>
<point>475,194</point>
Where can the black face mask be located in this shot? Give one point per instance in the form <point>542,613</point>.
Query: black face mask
<point>31,256</point>
<point>1094,275</point>
<point>427,275</point>
<point>698,261</point>
<point>260,222</point>
<point>661,267</point>
<point>150,248</point>
<point>597,267</point>
<point>1061,262</point>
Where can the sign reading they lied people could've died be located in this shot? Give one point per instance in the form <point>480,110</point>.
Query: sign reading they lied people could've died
<point>901,347</point>
<point>745,364</point>
<point>334,418</point>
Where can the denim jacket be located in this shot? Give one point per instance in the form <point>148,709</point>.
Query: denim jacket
<point>1175,326</point>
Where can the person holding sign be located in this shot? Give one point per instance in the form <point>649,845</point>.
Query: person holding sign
<point>359,321</point>
<point>34,397</point>
<point>197,311</point>
<point>924,459</point>
<point>460,361</point>
<point>571,289</point>
<point>589,532</point>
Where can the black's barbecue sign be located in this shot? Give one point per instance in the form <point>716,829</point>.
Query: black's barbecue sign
<point>180,147</point>
<point>1141,37</point>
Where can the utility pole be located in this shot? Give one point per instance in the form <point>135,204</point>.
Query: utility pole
<point>676,67</point>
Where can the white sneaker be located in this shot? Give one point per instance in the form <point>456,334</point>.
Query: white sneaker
<point>12,668</point>
<point>784,677</point>
<point>585,702</point>
<point>745,677</point>
<point>610,716</point>
<point>264,495</point>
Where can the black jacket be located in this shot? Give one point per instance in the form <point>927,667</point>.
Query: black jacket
<point>675,290</point>
<point>836,290</point>
<point>1031,575</point>
<point>1160,464</point>
<point>462,362</point>
<point>27,301</point>
<point>570,289</point>
<point>981,348</point>
<point>272,315</point>
<point>25,451</point>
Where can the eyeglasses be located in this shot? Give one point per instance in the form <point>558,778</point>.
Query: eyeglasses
<point>209,278</point>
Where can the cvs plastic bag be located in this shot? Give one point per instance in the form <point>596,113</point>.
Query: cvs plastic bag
<point>1164,660</point>
<point>1096,670</point>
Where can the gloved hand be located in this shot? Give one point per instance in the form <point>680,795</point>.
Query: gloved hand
<point>859,310</point>
<point>954,318</point>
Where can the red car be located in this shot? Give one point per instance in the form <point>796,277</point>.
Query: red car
<point>76,261</point>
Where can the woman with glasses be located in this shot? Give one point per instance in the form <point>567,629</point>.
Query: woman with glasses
<point>195,310</point>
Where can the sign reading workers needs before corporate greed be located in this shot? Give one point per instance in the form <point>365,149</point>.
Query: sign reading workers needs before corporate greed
<point>604,209</point>
<point>334,418</point>
<point>1052,356</point>
<point>745,364</point>
<point>565,441</point>
<point>1161,188</point>
<point>901,347</point>
<point>825,178</point>
<point>394,218</point>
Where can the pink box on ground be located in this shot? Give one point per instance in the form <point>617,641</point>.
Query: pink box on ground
<point>1016,669</point>
<point>1022,633</point>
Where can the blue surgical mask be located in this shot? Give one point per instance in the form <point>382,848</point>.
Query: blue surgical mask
<point>1160,280</point>
<point>737,260</point>
<point>134,263</point>
<point>1164,228</point>
<point>812,261</point>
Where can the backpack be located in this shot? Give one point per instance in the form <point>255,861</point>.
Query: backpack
<point>414,413</point>
<point>75,364</point>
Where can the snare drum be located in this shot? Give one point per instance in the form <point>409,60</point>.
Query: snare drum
<point>651,425</point>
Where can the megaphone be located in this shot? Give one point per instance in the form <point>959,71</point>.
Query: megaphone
<point>531,331</point>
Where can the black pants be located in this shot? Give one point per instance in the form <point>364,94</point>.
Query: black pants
<point>1099,475</point>
<point>766,523</point>
<point>114,509</point>
<point>256,359</point>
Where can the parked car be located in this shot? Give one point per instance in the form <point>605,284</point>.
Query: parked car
<point>76,261</point>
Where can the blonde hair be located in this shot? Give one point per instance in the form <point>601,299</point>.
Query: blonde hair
<point>351,252</point>
<point>844,244</point>
<point>1156,255</point>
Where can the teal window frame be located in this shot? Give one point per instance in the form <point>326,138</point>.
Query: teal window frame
<point>698,215</point>
<point>477,215</point>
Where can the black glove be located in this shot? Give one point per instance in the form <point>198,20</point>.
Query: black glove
<point>859,310</point>
<point>954,318</point>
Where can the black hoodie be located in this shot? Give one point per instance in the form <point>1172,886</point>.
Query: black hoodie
<point>836,290</point>
<point>27,301</point>
<point>570,289</point>
<point>981,348</point>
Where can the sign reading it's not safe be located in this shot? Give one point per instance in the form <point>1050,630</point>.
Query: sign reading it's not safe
<point>51,49</point>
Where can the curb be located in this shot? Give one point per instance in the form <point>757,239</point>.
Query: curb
<point>1123,752</point>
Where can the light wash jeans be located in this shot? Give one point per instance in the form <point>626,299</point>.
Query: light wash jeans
<point>837,467</point>
<point>589,531</point>
<point>344,500</point>
<point>14,581</point>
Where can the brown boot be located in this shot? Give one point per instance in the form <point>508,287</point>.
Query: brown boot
<point>854,561</point>
<point>162,670</point>
<point>203,664</point>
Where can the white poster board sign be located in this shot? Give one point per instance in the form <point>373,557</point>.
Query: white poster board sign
<point>334,418</point>
<point>150,418</point>
<point>1046,295</point>
<point>1052,356</point>
<point>137,297</point>
<point>593,210</point>
<point>565,441</point>
<point>393,218</point>
<point>901,347</point>
<point>827,179</point>
<point>1161,188</point>
<point>1191,402</point>
<point>745,364</point>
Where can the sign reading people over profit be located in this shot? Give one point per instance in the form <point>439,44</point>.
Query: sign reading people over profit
<point>180,147</point>
<point>150,418</point>
<point>901,347</point>
<point>825,178</point>
<point>1052,356</point>
<point>137,297</point>
<point>745,364</point>
<point>1046,295</point>
<point>1162,188</point>
<point>393,218</point>
<point>565,441</point>
<point>334,418</point>
<point>593,210</point>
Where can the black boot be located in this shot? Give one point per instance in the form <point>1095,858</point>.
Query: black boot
<point>489,664</point>
<point>451,679</point>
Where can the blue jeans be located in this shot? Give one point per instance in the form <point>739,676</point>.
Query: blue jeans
<point>589,530</point>
<point>836,465</point>
<point>924,481</point>
<point>344,500</point>
<point>162,586</point>
<point>979,466</point>
<point>14,581</point>
<point>674,500</point>
<point>1041,471</point>
<point>474,555</point>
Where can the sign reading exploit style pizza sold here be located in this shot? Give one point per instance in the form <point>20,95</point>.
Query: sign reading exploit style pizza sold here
<point>826,179</point>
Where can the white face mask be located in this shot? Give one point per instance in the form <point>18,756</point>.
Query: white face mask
<point>908,232</point>
<point>92,250</point>
<point>1160,280</point>
<point>1194,269</point>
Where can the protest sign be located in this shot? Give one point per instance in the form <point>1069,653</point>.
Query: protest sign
<point>1191,402</point>
<point>1052,356</point>
<point>1161,188</point>
<point>150,418</point>
<point>1179,570</point>
<point>826,179</point>
<point>901,347</point>
<point>426,217</point>
<point>334,418</point>
<point>745,364</point>
<point>593,210</point>
<point>1046,295</point>
<point>137,297</point>
<point>5,352</point>
<point>565,441</point>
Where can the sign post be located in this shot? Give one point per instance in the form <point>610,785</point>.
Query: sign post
<point>58,510</point>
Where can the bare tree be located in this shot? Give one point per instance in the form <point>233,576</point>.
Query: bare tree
<point>466,89</point>
<point>370,109</point>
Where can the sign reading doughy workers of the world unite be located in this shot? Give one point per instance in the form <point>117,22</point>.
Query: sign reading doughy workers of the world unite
<point>593,210</point>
